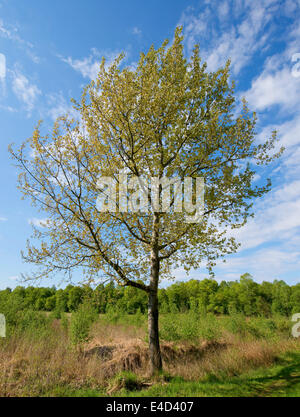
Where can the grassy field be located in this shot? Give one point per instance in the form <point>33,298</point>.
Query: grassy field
<point>88,355</point>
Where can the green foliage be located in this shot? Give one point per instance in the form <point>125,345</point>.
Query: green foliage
<point>75,298</point>
<point>167,117</point>
<point>209,327</point>
<point>112,314</point>
<point>64,322</point>
<point>192,326</point>
<point>237,324</point>
<point>55,314</point>
<point>32,321</point>
<point>188,326</point>
<point>81,322</point>
<point>244,297</point>
<point>124,381</point>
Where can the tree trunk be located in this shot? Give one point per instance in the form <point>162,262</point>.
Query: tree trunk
<point>154,347</point>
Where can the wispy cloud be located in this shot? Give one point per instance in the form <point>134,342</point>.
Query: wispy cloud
<point>136,31</point>
<point>11,33</point>
<point>13,278</point>
<point>244,31</point>
<point>3,219</point>
<point>25,91</point>
<point>58,106</point>
<point>230,29</point>
<point>7,108</point>
<point>89,66</point>
<point>39,222</point>
<point>276,85</point>
<point>266,264</point>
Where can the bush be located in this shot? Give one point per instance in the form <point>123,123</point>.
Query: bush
<point>56,314</point>
<point>113,315</point>
<point>254,327</point>
<point>262,328</point>
<point>81,322</point>
<point>188,326</point>
<point>236,324</point>
<point>64,322</point>
<point>11,307</point>
<point>32,323</point>
<point>283,324</point>
<point>169,327</point>
<point>209,327</point>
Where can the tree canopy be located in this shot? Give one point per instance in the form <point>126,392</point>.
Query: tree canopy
<point>167,118</point>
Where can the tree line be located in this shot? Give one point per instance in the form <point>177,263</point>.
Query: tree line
<point>206,296</point>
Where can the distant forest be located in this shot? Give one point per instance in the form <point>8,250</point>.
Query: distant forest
<point>205,296</point>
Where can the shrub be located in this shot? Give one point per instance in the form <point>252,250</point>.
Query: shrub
<point>188,326</point>
<point>64,321</point>
<point>236,324</point>
<point>208,327</point>
<point>169,327</point>
<point>81,322</point>
<point>32,323</point>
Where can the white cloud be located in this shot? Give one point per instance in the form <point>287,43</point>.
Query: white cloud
<point>223,9</point>
<point>288,131</point>
<point>3,219</point>
<point>230,29</point>
<point>11,33</point>
<point>292,161</point>
<point>136,31</point>
<point>291,6</point>
<point>58,106</point>
<point>13,277</point>
<point>276,93</point>
<point>24,90</point>
<point>7,108</point>
<point>38,222</point>
<point>275,223</point>
<point>89,66</point>
<point>277,84</point>
<point>264,265</point>
<point>274,88</point>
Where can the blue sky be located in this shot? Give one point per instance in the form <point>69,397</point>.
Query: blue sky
<point>50,50</point>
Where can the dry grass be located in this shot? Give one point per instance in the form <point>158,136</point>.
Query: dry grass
<point>235,360</point>
<point>33,367</point>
